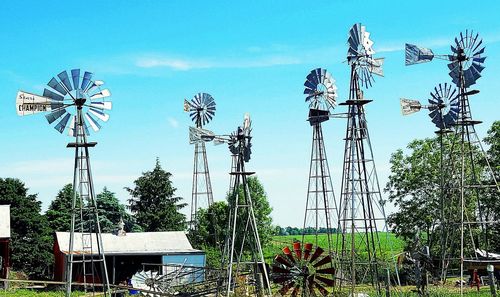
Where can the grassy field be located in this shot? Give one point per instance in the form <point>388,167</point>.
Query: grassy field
<point>388,242</point>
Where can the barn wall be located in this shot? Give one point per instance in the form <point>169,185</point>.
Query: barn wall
<point>4,253</point>
<point>59,262</point>
<point>188,259</point>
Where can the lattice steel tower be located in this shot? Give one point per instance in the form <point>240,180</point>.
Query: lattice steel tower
<point>201,110</point>
<point>245,251</point>
<point>321,209</point>
<point>463,186</point>
<point>90,103</point>
<point>306,270</point>
<point>361,214</point>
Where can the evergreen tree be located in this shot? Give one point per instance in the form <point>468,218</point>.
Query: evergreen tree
<point>109,208</point>
<point>59,212</point>
<point>111,211</point>
<point>153,203</point>
<point>31,239</point>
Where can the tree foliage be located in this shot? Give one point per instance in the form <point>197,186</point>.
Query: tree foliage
<point>31,239</point>
<point>109,208</point>
<point>111,211</point>
<point>262,209</point>
<point>59,212</point>
<point>153,203</point>
<point>209,232</point>
<point>492,196</point>
<point>211,227</point>
<point>414,187</point>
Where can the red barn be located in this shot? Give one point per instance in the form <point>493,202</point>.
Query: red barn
<point>4,240</point>
<point>126,252</point>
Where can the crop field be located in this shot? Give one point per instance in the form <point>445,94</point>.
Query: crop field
<point>388,243</point>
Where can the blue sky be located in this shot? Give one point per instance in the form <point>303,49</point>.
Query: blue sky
<point>250,56</point>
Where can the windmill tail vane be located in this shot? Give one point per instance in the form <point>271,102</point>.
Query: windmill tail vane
<point>409,106</point>
<point>29,104</point>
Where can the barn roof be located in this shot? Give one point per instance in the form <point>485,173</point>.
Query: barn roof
<point>134,243</point>
<point>4,221</point>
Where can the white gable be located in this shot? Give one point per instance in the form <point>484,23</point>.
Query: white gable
<point>160,243</point>
<point>4,221</point>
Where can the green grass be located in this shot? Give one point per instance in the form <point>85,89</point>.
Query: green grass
<point>388,242</point>
<point>32,293</point>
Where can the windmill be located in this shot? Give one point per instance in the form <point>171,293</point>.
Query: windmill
<point>361,210</point>
<point>444,107</point>
<point>465,64</point>
<point>309,275</point>
<point>243,255</point>
<point>201,110</point>
<point>73,103</point>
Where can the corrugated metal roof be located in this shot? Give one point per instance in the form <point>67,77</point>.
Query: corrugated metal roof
<point>136,243</point>
<point>4,221</point>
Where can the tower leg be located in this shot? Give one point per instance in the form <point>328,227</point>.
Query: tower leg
<point>84,208</point>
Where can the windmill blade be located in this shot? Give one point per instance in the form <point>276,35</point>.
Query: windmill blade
<point>354,40</point>
<point>72,129</point>
<point>95,84</point>
<point>326,281</point>
<point>416,55</point>
<point>101,105</point>
<point>247,152</point>
<point>286,250</point>
<point>28,103</point>
<point>54,84</point>
<point>87,76</point>
<point>99,114</point>
<point>366,42</point>
<point>102,94</point>
<point>63,76</point>
<point>409,106</point>
<point>316,254</point>
<point>325,260</point>
<point>94,124</point>
<point>376,66</point>
<point>54,115</point>
<point>75,76</point>
<point>52,95</point>
<point>298,250</point>
<point>282,261</point>
<point>62,123</point>
<point>247,122</point>
<point>307,250</point>
<point>321,289</point>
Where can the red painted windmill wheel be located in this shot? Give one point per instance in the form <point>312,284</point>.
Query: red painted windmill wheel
<point>305,272</point>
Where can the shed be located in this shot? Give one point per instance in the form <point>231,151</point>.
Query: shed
<point>4,240</point>
<point>127,253</point>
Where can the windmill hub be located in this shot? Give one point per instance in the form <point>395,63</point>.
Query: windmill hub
<point>79,102</point>
<point>461,57</point>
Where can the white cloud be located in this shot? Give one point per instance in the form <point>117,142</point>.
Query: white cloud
<point>176,64</point>
<point>158,61</point>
